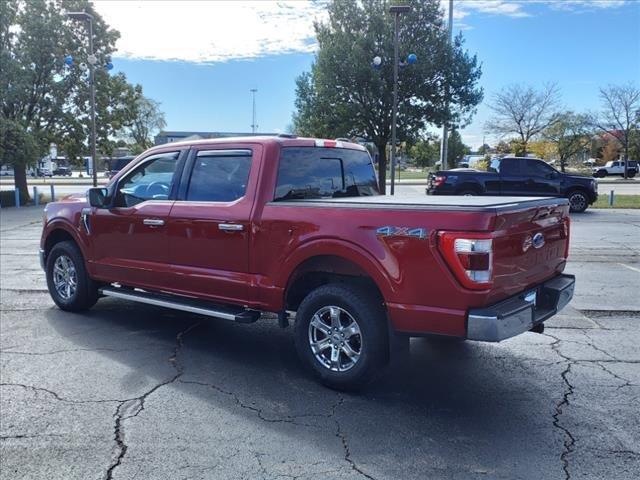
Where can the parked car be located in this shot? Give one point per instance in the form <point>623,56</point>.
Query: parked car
<point>114,165</point>
<point>6,172</point>
<point>235,227</point>
<point>63,171</point>
<point>41,172</point>
<point>516,176</point>
<point>616,168</point>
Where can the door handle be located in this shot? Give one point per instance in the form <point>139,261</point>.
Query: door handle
<point>153,222</point>
<point>230,227</point>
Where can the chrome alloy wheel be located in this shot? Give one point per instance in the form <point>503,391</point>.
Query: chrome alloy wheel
<point>65,277</point>
<point>335,338</point>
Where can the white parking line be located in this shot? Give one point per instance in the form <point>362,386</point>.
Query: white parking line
<point>630,267</point>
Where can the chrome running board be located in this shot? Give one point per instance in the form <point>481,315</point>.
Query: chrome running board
<point>175,302</point>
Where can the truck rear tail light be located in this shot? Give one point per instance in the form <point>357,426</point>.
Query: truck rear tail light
<point>439,180</point>
<point>469,256</point>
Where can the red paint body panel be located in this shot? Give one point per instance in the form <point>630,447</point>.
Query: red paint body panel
<point>189,255</point>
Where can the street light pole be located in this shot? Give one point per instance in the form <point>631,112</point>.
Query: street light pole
<point>445,133</point>
<point>254,127</point>
<point>84,16</point>
<point>396,10</point>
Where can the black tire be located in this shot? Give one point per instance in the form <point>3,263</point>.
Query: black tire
<point>578,201</point>
<point>600,174</point>
<point>631,174</point>
<point>85,294</point>
<point>368,313</point>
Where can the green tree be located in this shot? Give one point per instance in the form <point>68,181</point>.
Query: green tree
<point>344,96</point>
<point>571,134</point>
<point>425,152</point>
<point>19,147</point>
<point>49,100</point>
<point>38,92</point>
<point>484,149</point>
<point>148,119</point>
<point>456,149</point>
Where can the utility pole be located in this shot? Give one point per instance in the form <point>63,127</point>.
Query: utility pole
<point>445,134</point>
<point>87,17</point>
<point>254,126</point>
<point>396,10</point>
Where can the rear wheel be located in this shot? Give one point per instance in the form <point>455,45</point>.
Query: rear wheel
<point>341,335</point>
<point>578,201</point>
<point>69,284</point>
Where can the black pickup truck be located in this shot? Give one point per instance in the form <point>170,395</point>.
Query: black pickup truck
<point>516,176</point>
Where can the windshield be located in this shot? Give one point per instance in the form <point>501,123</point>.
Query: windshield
<point>314,172</point>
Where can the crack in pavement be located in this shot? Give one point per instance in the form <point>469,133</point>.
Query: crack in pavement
<point>293,419</point>
<point>56,395</point>
<point>569,440</point>
<point>136,404</point>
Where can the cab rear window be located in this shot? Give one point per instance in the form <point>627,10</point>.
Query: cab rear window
<point>316,172</point>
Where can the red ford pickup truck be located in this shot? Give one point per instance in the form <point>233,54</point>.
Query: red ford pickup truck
<point>233,228</point>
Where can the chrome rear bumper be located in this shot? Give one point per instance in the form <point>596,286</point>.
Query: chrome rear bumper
<point>522,312</point>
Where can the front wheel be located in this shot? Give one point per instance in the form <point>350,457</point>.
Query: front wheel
<point>69,284</point>
<point>341,335</point>
<point>578,202</point>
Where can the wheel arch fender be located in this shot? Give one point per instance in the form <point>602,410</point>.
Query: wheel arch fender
<point>61,229</point>
<point>343,256</point>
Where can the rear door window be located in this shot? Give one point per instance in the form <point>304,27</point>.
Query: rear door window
<point>316,172</point>
<point>510,167</point>
<point>219,176</point>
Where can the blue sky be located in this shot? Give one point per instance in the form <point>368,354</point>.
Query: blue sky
<point>201,59</point>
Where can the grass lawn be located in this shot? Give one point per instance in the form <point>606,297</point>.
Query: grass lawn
<point>619,201</point>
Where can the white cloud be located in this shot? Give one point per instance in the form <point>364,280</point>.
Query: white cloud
<point>521,8</point>
<point>217,31</point>
<point>207,32</point>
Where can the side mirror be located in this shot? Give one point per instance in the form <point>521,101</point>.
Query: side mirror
<point>98,197</point>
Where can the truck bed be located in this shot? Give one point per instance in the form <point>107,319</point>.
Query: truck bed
<point>442,202</point>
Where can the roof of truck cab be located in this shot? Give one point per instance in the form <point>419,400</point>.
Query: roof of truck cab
<point>283,141</point>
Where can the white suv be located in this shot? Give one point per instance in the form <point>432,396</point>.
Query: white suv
<point>616,168</point>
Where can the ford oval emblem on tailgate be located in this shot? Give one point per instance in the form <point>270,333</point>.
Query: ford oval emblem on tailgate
<point>538,240</point>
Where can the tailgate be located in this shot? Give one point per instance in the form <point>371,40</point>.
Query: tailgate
<point>530,246</point>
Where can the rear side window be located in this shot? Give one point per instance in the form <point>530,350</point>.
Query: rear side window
<point>315,172</point>
<point>219,176</point>
<point>510,167</point>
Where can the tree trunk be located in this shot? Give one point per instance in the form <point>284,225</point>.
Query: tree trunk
<point>382,168</point>
<point>626,158</point>
<point>20,182</point>
<point>563,162</point>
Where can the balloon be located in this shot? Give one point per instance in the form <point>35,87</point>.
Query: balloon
<point>412,58</point>
<point>377,61</point>
<point>83,66</point>
<point>68,60</point>
<point>109,66</point>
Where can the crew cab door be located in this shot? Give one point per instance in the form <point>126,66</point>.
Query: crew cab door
<point>541,179</point>
<point>512,177</point>
<point>129,239</point>
<point>209,225</point>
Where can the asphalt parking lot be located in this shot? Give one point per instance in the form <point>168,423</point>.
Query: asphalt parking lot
<point>130,391</point>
